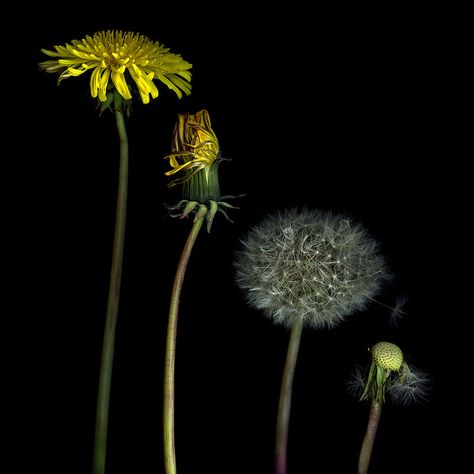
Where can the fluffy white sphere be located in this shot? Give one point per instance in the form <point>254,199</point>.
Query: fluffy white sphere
<point>312,265</point>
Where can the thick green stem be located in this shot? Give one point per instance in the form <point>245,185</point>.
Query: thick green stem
<point>105,376</point>
<point>369,438</point>
<point>284,407</point>
<point>170,357</point>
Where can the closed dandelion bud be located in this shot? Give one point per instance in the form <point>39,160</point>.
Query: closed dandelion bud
<point>387,356</point>
<point>313,265</point>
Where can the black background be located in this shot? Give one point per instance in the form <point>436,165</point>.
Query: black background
<point>347,110</point>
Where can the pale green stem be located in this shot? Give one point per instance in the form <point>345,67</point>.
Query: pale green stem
<point>105,376</point>
<point>284,407</point>
<point>170,356</point>
<point>369,438</point>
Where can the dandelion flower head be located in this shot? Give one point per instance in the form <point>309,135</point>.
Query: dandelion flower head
<point>117,58</point>
<point>312,265</point>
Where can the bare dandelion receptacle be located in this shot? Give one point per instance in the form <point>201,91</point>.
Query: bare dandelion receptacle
<point>389,375</point>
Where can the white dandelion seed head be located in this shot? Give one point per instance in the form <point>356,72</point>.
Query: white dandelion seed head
<point>312,265</point>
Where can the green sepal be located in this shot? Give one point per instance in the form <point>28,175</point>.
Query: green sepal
<point>106,105</point>
<point>211,214</point>
<point>369,383</point>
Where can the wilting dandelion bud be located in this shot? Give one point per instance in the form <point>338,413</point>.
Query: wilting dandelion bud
<point>312,265</point>
<point>196,157</point>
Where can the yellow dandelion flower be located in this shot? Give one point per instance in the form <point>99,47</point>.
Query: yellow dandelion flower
<point>194,147</point>
<point>120,56</point>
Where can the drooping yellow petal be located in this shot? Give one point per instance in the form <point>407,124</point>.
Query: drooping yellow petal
<point>51,66</point>
<point>170,85</point>
<point>121,85</point>
<point>84,55</point>
<point>194,147</point>
<point>75,72</point>
<point>95,78</point>
<point>104,80</point>
<point>186,166</point>
<point>183,85</point>
<point>153,89</point>
<point>144,96</point>
<point>69,62</point>
<point>137,76</point>
<point>173,157</point>
<point>53,54</point>
<point>144,83</point>
<point>186,74</point>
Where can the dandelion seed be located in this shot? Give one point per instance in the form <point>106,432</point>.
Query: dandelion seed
<point>410,387</point>
<point>398,313</point>
<point>356,382</point>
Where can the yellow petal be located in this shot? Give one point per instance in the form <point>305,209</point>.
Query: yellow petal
<point>121,84</point>
<point>186,74</point>
<point>183,154</point>
<point>104,80</point>
<point>53,54</point>
<point>190,164</point>
<point>167,82</point>
<point>69,62</point>
<point>95,77</point>
<point>183,85</point>
<point>151,85</point>
<point>50,66</point>
<point>75,72</point>
<point>142,85</point>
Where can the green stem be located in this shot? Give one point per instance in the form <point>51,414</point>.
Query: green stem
<point>170,357</point>
<point>369,438</point>
<point>105,376</point>
<point>284,407</point>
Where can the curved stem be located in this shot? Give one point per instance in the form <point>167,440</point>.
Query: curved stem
<point>168,404</point>
<point>284,407</point>
<point>369,438</point>
<point>105,376</point>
